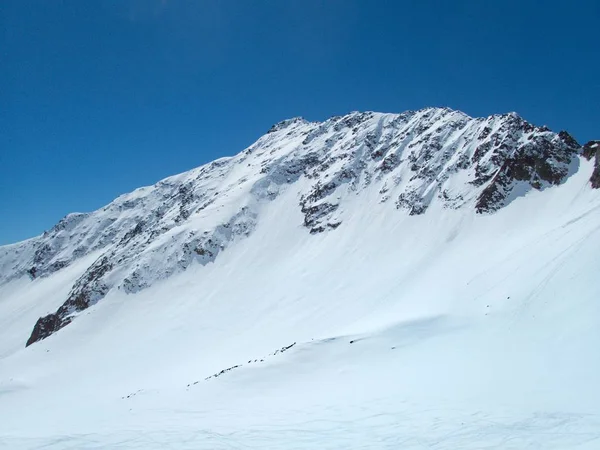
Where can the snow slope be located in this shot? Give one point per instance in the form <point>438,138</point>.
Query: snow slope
<point>450,328</point>
<point>415,159</point>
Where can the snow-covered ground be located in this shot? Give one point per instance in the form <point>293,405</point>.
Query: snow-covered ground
<point>446,330</point>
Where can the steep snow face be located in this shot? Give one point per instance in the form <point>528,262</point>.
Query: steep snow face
<point>407,162</point>
<point>444,330</point>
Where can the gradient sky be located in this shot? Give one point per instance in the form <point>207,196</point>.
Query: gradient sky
<point>100,97</point>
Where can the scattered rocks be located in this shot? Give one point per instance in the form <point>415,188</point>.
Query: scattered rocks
<point>133,394</point>
<point>283,349</point>
<point>224,371</point>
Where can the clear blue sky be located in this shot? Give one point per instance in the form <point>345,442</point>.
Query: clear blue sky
<point>100,97</point>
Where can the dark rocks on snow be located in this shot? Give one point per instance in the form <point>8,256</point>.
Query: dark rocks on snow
<point>185,194</point>
<point>538,161</point>
<point>44,327</point>
<point>389,163</point>
<point>135,231</point>
<point>284,124</point>
<point>412,202</point>
<point>312,215</point>
<point>592,150</point>
<point>568,139</point>
<point>221,372</point>
<point>283,349</point>
<point>86,290</point>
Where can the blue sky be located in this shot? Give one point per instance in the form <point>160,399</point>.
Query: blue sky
<point>98,98</point>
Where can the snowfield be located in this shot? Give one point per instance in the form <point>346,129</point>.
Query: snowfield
<point>442,330</point>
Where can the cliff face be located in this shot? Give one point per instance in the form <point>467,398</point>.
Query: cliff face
<point>592,150</point>
<point>405,161</point>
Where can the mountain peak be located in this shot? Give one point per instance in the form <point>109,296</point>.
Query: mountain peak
<point>287,123</point>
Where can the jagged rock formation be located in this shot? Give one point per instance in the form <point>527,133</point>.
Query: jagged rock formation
<point>407,161</point>
<point>592,150</point>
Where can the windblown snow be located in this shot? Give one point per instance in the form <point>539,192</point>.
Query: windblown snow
<point>424,280</point>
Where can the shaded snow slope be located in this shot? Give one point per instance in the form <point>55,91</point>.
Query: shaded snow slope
<point>398,164</point>
<point>448,329</point>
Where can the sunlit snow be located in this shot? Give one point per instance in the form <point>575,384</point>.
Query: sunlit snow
<point>447,330</point>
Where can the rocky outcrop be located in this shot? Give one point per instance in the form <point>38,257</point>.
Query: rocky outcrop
<point>88,289</point>
<point>94,284</point>
<point>542,161</point>
<point>592,150</point>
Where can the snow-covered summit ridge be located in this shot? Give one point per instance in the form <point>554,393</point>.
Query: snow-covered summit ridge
<point>405,162</point>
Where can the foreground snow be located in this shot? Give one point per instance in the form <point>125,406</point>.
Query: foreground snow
<point>447,330</point>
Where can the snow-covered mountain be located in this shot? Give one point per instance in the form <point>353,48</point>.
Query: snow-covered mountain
<point>410,159</point>
<point>405,244</point>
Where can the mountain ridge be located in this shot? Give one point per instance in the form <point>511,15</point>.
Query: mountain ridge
<point>407,161</point>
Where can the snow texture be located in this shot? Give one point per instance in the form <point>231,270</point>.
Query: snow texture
<point>416,280</point>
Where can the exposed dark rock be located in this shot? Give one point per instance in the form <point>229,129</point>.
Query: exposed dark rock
<point>389,163</point>
<point>68,222</point>
<point>135,231</point>
<point>592,150</point>
<point>595,178</point>
<point>42,254</point>
<point>484,133</point>
<point>538,161</point>
<point>284,124</point>
<point>412,202</point>
<point>481,150</point>
<point>224,371</point>
<point>185,195</point>
<point>32,272</point>
<point>44,327</point>
<point>313,214</point>
<point>283,349</point>
<point>88,289</point>
<point>568,139</point>
<point>218,374</point>
<point>57,265</point>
